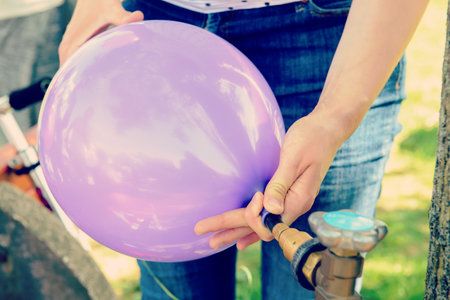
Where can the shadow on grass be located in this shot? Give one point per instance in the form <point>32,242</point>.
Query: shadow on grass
<point>421,142</point>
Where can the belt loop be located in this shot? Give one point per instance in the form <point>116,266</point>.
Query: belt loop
<point>212,22</point>
<point>300,5</point>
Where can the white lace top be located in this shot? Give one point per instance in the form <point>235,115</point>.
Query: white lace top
<point>212,6</point>
<point>20,8</point>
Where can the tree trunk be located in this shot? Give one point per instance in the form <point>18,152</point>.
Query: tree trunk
<point>438,271</point>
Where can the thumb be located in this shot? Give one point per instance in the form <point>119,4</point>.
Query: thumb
<point>120,16</point>
<point>129,17</point>
<point>277,189</point>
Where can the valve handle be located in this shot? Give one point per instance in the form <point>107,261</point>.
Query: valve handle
<point>347,230</point>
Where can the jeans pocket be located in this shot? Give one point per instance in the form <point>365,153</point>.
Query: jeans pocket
<point>329,8</point>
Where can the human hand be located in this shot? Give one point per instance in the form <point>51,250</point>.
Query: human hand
<point>232,226</point>
<point>91,18</point>
<point>307,152</point>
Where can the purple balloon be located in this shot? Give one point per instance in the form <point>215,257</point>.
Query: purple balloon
<point>151,127</point>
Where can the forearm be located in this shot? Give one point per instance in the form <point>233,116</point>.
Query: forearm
<point>375,37</point>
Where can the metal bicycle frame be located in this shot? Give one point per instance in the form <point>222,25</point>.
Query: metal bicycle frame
<point>28,155</point>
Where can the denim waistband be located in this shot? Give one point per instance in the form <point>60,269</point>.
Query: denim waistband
<point>319,7</point>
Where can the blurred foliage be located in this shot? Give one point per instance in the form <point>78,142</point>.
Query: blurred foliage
<point>421,143</point>
<point>248,281</point>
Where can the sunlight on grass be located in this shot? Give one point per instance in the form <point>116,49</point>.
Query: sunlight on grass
<point>120,270</point>
<point>394,267</point>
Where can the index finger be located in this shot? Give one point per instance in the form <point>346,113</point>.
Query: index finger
<point>227,220</point>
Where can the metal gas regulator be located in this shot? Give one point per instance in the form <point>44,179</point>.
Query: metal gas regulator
<point>330,263</point>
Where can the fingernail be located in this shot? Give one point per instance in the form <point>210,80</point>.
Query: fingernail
<point>275,204</point>
<point>213,244</point>
<point>198,230</point>
<point>240,247</point>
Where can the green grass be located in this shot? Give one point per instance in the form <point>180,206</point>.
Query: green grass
<point>127,288</point>
<point>248,263</point>
<point>421,143</point>
<point>396,268</point>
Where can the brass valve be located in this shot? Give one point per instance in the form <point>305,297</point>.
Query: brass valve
<point>330,263</point>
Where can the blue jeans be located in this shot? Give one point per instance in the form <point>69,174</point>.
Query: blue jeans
<point>292,45</point>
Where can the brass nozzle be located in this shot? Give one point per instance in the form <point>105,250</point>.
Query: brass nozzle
<point>289,239</point>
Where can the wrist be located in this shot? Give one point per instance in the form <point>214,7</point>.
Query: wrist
<point>342,117</point>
